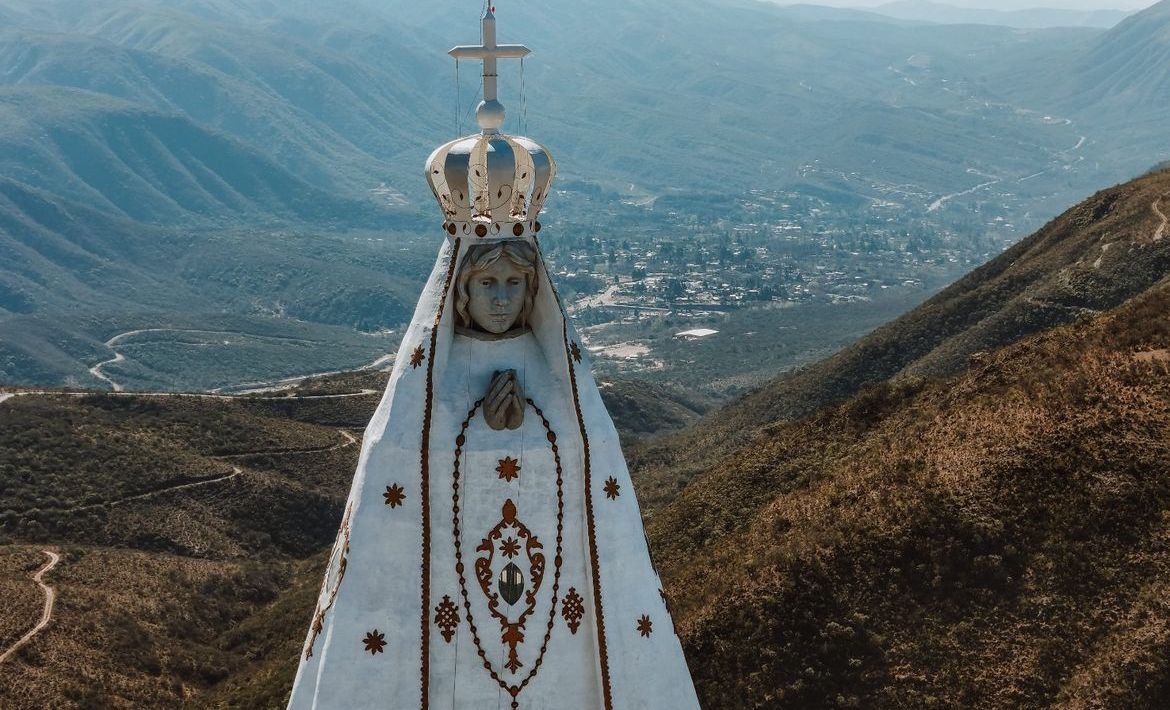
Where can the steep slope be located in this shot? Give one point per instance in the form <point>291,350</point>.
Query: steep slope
<point>996,539</point>
<point>1092,258</point>
<point>148,166</point>
<point>213,98</point>
<point>1125,67</point>
<point>764,81</point>
<point>942,13</point>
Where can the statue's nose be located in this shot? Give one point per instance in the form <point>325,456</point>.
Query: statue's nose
<point>501,295</point>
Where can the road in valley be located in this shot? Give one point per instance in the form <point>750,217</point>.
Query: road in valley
<point>192,395</point>
<point>47,613</point>
<point>97,372</point>
<point>937,204</point>
<point>1162,227</point>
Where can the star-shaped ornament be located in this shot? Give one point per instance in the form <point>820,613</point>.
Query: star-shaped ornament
<point>417,357</point>
<point>508,468</point>
<point>576,351</point>
<point>645,626</point>
<point>612,488</point>
<point>394,495</point>
<point>375,642</point>
<point>510,548</point>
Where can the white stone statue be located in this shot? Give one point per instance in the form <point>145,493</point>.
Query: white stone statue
<point>491,553</point>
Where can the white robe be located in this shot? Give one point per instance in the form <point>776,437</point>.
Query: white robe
<point>415,611</point>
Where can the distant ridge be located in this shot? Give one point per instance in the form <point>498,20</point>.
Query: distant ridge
<point>149,166</point>
<point>1027,18</point>
<point>1092,258</point>
<point>994,536</point>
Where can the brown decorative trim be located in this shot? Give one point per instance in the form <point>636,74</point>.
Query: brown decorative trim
<point>425,487</point>
<point>342,544</point>
<point>512,633</point>
<point>669,613</point>
<point>576,351</point>
<point>594,562</point>
<point>447,618</point>
<point>573,609</point>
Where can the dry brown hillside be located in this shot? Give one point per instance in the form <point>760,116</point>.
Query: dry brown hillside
<point>996,539</point>
<point>1092,258</point>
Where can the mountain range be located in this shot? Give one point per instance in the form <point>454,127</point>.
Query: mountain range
<point>980,519</point>
<point>192,132</point>
<point>173,166</point>
<point>1033,17</point>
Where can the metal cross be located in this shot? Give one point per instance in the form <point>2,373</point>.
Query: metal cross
<point>490,112</point>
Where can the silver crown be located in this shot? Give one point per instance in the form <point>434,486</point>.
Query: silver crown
<point>491,185</point>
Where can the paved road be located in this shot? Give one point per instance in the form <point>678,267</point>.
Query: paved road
<point>47,614</point>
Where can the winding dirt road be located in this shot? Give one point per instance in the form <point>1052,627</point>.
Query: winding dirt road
<point>194,395</point>
<point>349,440</point>
<point>937,204</point>
<point>96,370</point>
<point>1162,227</point>
<point>50,600</point>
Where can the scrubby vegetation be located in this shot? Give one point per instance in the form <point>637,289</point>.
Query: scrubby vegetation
<point>982,520</point>
<point>998,539</point>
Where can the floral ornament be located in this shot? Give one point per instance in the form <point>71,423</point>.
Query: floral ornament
<point>447,618</point>
<point>645,626</point>
<point>394,495</point>
<point>509,469</point>
<point>573,609</point>
<point>375,642</point>
<point>576,351</point>
<point>612,488</point>
<point>510,548</point>
<point>417,357</point>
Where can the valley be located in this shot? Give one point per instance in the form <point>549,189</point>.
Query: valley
<point>959,466</point>
<point>887,363</point>
<point>201,164</point>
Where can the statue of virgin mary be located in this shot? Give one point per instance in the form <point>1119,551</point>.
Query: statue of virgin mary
<point>491,553</point>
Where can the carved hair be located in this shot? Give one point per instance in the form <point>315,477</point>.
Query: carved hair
<point>481,256</point>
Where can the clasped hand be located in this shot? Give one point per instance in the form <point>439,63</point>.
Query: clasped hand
<point>503,407</point>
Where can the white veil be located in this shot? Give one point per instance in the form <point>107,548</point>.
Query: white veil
<point>393,548</point>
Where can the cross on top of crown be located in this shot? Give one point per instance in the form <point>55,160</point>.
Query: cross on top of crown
<point>490,112</point>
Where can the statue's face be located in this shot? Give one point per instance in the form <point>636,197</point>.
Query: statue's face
<point>496,296</point>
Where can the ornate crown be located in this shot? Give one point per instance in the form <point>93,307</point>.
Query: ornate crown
<point>491,185</point>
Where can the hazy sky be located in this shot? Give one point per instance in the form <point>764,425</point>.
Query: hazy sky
<point>1009,4</point>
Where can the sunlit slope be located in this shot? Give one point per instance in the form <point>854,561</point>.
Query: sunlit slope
<point>997,539</point>
<point>149,166</point>
<point>1092,258</point>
